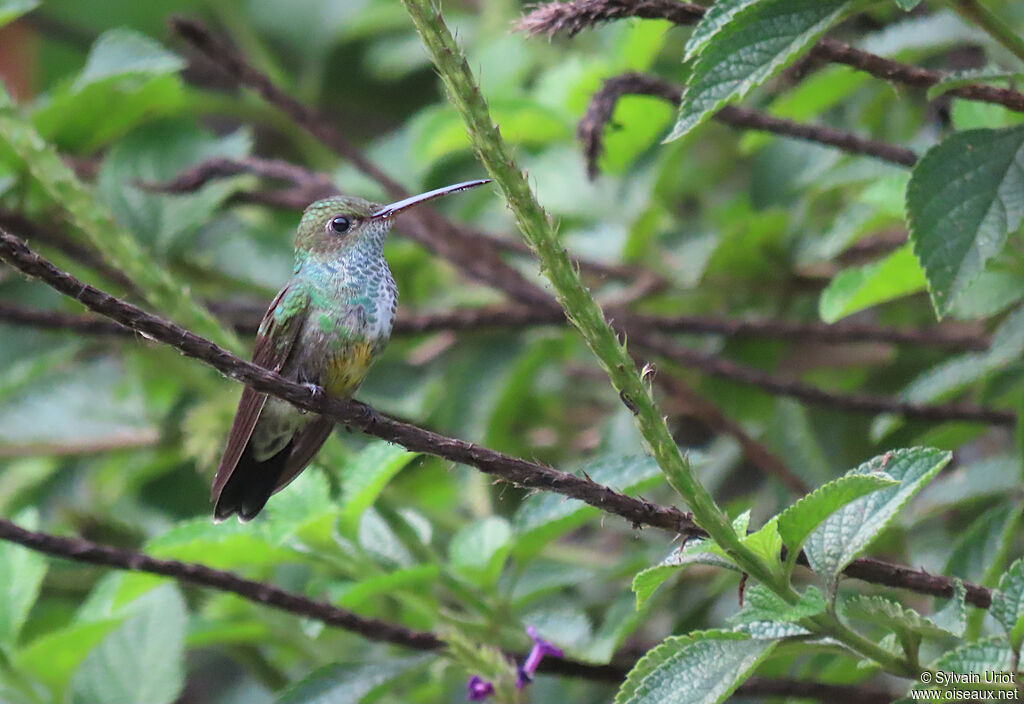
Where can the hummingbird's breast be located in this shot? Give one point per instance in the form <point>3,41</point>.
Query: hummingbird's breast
<point>349,323</point>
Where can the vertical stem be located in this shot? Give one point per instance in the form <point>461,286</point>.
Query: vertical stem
<point>581,309</point>
<point>974,11</point>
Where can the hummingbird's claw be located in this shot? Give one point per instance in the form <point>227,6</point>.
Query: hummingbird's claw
<point>316,391</point>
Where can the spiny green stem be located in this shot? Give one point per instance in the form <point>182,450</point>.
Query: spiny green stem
<point>977,13</point>
<point>586,315</point>
<point>580,307</point>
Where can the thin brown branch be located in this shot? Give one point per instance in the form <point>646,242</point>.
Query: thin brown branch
<point>350,413</point>
<point>716,366</point>
<point>590,130</point>
<point>269,595</point>
<point>574,16</point>
<point>364,418</point>
<point>449,241</point>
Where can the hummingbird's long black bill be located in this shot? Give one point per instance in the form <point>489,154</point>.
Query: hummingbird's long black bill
<point>395,208</point>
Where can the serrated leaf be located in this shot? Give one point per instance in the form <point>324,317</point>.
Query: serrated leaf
<point>979,550</point>
<point>478,551</point>
<point>702,668</point>
<point>889,614</point>
<point>142,660</point>
<point>772,630</point>
<point>1008,603</point>
<point>24,570</point>
<point>766,542</point>
<point>753,45</point>
<point>989,655</point>
<point>347,682</point>
<point>953,616</point>
<point>965,196</point>
<point>715,17</point>
<point>364,478</point>
<point>843,535</point>
<point>762,604</point>
<point>797,521</point>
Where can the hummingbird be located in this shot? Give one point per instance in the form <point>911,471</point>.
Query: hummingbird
<point>323,329</point>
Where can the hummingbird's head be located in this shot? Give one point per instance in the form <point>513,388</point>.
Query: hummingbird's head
<point>334,225</point>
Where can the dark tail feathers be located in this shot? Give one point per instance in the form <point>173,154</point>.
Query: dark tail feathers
<point>250,485</point>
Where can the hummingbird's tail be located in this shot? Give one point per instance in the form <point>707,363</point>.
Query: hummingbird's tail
<point>251,484</point>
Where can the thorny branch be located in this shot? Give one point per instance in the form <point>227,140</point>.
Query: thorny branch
<point>364,418</point>
<point>349,413</point>
<point>576,15</point>
<point>591,128</point>
<point>265,594</point>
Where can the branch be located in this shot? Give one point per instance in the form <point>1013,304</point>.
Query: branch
<point>716,366</point>
<point>599,112</point>
<point>350,413</point>
<point>576,15</point>
<point>364,418</point>
<point>264,594</point>
<point>424,225</point>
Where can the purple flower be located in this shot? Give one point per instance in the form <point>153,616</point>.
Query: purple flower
<point>541,648</point>
<point>478,689</point>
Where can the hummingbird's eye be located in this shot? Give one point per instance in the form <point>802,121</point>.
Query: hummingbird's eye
<point>339,225</point>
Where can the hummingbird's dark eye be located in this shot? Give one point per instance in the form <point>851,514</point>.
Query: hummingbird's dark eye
<point>339,225</point>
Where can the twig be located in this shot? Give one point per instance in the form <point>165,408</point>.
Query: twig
<point>363,417</point>
<point>349,413</point>
<point>424,225</point>
<point>576,15</point>
<point>713,365</point>
<point>53,237</point>
<point>599,112</point>
<point>269,595</point>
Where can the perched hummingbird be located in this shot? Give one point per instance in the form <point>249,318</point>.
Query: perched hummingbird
<point>323,329</point>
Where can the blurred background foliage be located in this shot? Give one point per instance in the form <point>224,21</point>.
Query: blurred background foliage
<point>116,439</point>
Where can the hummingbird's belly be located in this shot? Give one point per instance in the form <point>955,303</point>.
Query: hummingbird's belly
<point>346,369</point>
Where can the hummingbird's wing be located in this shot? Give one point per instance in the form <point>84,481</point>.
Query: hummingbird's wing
<point>305,443</point>
<point>274,344</point>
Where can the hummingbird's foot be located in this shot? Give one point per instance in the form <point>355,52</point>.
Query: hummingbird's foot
<point>316,391</point>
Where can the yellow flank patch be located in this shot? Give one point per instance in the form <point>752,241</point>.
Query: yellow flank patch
<point>346,371</point>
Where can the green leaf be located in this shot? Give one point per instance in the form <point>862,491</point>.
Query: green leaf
<point>857,288</point>
<point>122,52</point>
<point>958,79</point>
<point>478,551</point>
<point>545,516</point>
<point>54,657</point>
<point>354,596</point>
<point>364,478</point>
<point>715,17</point>
<point>766,542</point>
<point>140,661</point>
<point>907,6</point>
<point>11,10</point>
<point>348,682</point>
<point>953,616</point>
<point>886,613</point>
<point>695,552</point>
<point>1008,603</point>
<point>24,570</point>
<point>763,605</point>
<point>989,655</point>
<point>797,521</point>
<point>980,550</point>
<point>963,199</point>
<point>847,532</point>
<point>701,668</point>
<point>753,44</point>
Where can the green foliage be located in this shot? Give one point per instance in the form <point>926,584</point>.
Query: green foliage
<point>844,534</point>
<point>962,201</point>
<point>742,45</point>
<point>115,438</point>
<point>701,668</point>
